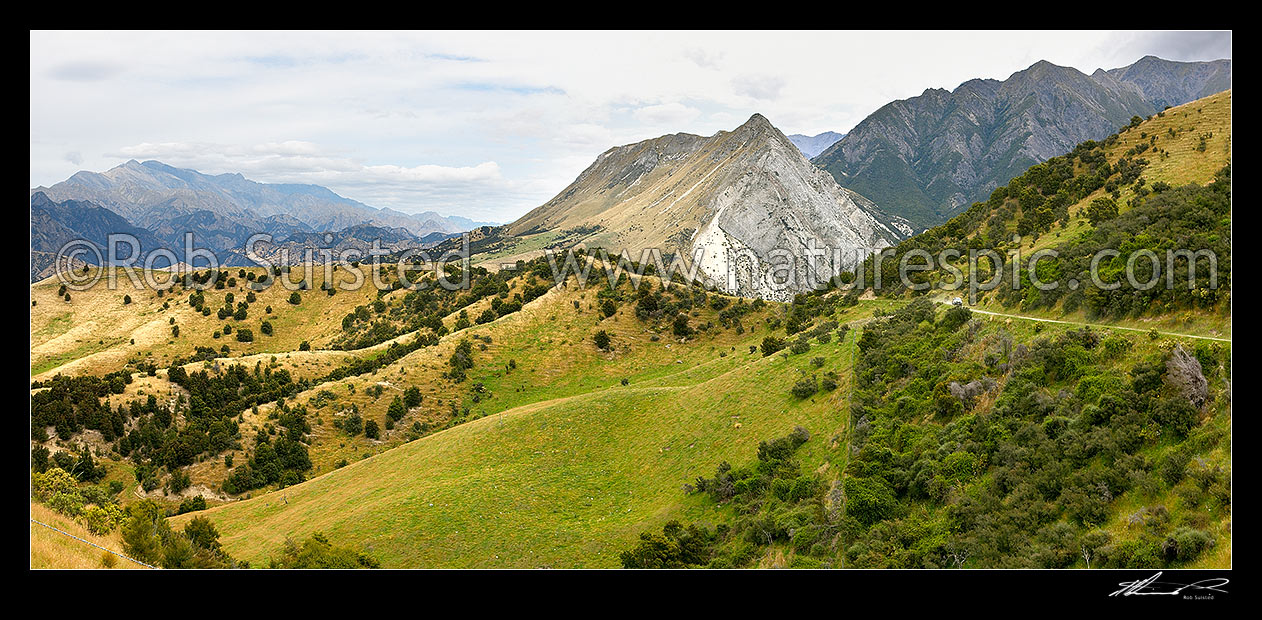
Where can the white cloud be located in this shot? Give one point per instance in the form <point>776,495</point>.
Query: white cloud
<point>83,71</point>
<point>758,86</point>
<point>673,113</point>
<point>704,58</point>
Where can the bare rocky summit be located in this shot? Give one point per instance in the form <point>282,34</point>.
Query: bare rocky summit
<point>745,198</point>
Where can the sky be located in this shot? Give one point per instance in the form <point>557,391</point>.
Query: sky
<point>488,125</point>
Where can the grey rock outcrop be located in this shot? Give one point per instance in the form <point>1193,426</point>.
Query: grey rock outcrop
<point>1184,374</point>
<point>969,392</point>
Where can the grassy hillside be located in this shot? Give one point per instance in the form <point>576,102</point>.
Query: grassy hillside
<point>562,483</point>
<point>51,549</point>
<point>96,332</point>
<point>573,481</point>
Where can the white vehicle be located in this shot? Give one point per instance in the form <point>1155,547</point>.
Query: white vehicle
<point>957,302</point>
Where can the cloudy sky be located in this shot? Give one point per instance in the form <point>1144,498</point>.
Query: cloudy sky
<point>490,125</point>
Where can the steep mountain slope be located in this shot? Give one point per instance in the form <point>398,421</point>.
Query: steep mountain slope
<point>816,144</point>
<point>735,195</point>
<point>926,157</point>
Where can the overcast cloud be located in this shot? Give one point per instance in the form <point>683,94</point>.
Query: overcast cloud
<point>490,125</point>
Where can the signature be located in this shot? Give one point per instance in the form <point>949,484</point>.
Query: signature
<point>1151,586</point>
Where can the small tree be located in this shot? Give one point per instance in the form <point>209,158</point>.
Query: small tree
<point>602,340</point>
<point>295,298</point>
<point>1101,210</point>
<point>397,409</point>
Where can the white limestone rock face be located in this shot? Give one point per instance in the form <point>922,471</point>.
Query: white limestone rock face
<point>748,199</point>
<point>779,208</point>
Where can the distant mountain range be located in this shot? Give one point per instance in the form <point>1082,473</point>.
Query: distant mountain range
<point>816,144</point>
<point>928,157</point>
<point>158,203</point>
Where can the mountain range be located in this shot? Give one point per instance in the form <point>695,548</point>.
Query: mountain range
<point>158,203</point>
<point>909,166</point>
<point>928,157</point>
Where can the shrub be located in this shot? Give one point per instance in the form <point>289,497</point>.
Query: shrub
<point>680,326</point>
<point>805,387</point>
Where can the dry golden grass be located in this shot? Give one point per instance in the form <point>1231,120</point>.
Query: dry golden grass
<point>96,333</point>
<point>1176,160</point>
<point>51,549</point>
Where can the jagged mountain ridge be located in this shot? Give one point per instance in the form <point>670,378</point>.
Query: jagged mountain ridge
<point>1168,83</point>
<point>927,157</point>
<point>54,224</point>
<point>745,190</point>
<point>816,144</point>
<point>159,203</point>
<point>156,196</point>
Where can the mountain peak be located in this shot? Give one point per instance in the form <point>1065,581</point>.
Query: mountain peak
<point>758,122</point>
<point>1044,67</point>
